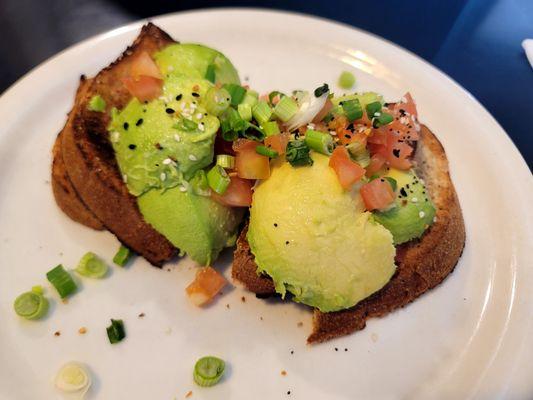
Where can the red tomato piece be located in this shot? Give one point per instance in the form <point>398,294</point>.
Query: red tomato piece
<point>205,287</point>
<point>278,142</point>
<point>407,104</point>
<point>143,65</point>
<point>348,172</point>
<point>377,161</point>
<point>144,88</point>
<point>248,163</point>
<point>377,194</point>
<point>238,193</point>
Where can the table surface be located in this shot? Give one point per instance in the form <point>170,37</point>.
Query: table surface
<point>476,42</point>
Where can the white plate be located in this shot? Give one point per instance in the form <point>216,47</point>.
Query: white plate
<point>469,338</point>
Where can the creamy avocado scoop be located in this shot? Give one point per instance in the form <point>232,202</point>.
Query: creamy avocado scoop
<point>162,146</point>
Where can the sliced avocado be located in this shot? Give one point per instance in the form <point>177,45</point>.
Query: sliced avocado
<point>412,212</point>
<point>193,60</point>
<point>197,225</point>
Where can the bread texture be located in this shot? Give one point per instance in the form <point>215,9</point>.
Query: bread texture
<point>89,160</point>
<point>421,264</point>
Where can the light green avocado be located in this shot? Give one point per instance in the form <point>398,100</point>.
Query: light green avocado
<point>192,60</point>
<point>413,211</point>
<point>195,224</point>
<point>314,239</point>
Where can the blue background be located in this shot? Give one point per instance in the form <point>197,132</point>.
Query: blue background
<point>476,42</point>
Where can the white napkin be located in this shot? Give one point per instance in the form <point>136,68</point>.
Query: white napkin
<point>527,44</point>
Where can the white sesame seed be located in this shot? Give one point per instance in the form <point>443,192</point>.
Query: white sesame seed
<point>201,127</point>
<point>167,161</point>
<point>403,120</point>
<point>125,178</point>
<point>199,116</point>
<point>170,68</point>
<point>115,136</point>
<point>163,176</point>
<point>377,114</point>
<point>177,137</point>
<point>193,106</point>
<point>435,219</point>
<point>183,189</point>
<point>333,133</point>
<point>311,126</point>
<point>192,157</point>
<point>414,200</point>
<point>421,214</point>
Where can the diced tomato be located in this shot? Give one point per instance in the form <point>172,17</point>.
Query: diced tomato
<point>377,161</point>
<point>378,136</point>
<point>409,105</point>
<point>248,163</point>
<point>143,65</point>
<point>349,137</point>
<point>145,88</point>
<point>348,172</point>
<point>394,150</point>
<point>377,194</point>
<point>328,105</point>
<point>238,193</point>
<point>278,142</point>
<point>205,287</point>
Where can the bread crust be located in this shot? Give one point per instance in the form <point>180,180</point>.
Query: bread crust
<point>421,264</point>
<point>90,160</point>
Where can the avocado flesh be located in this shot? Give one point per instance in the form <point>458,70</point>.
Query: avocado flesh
<point>314,239</point>
<point>159,156</point>
<point>412,212</point>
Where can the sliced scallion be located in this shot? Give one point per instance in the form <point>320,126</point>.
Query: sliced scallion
<point>285,109</point>
<point>73,378</point>
<point>392,182</point>
<point>273,94</point>
<point>62,281</point>
<point>31,305</point>
<point>271,128</point>
<point>266,151</point>
<point>226,161</point>
<point>262,112</point>
<point>245,111</point>
<point>297,153</point>
<point>319,141</point>
<point>116,332</point>
<point>346,80</point>
<point>217,101</point>
<point>91,266</point>
<point>373,108</point>
<point>210,73</point>
<point>218,179</point>
<point>122,256</point>
<point>236,92</point>
<point>382,119</point>
<point>251,98</point>
<point>97,103</point>
<point>208,371</point>
<point>199,184</point>
<point>352,109</point>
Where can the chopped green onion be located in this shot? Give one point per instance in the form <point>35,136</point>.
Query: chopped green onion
<point>226,161</point>
<point>116,332</point>
<point>262,112</point>
<point>208,371</point>
<point>122,256</point>
<point>392,182</point>
<point>285,109</point>
<point>271,128</point>
<point>91,266</point>
<point>382,119</point>
<point>266,151</point>
<point>97,103</point>
<point>73,379</point>
<point>253,132</point>
<point>218,179</point>
<point>236,92</point>
<point>352,109</point>
<point>217,101</point>
<point>186,125</point>
<point>37,289</point>
<point>251,97</point>
<point>62,281</point>
<point>373,108</point>
<point>319,91</point>
<point>297,153</point>
<point>346,80</point>
<point>273,94</point>
<point>227,134</point>
<point>199,183</point>
<point>359,153</point>
<point>236,122</point>
<point>210,73</point>
<point>31,305</point>
<point>245,111</point>
<point>319,141</point>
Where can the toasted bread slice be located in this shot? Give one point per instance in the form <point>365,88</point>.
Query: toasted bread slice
<point>90,161</point>
<point>421,264</point>
<point>64,193</point>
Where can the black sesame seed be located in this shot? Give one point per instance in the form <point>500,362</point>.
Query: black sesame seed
<point>276,225</point>
<point>292,351</point>
<point>396,153</point>
<point>347,136</point>
<point>403,192</point>
<point>345,349</point>
<point>169,110</point>
<point>288,392</point>
<point>178,97</point>
<point>139,122</point>
<point>287,242</point>
<point>132,146</point>
<point>126,126</point>
<point>195,94</point>
<point>336,349</point>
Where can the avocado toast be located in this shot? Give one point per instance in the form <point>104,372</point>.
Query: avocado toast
<point>352,210</point>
